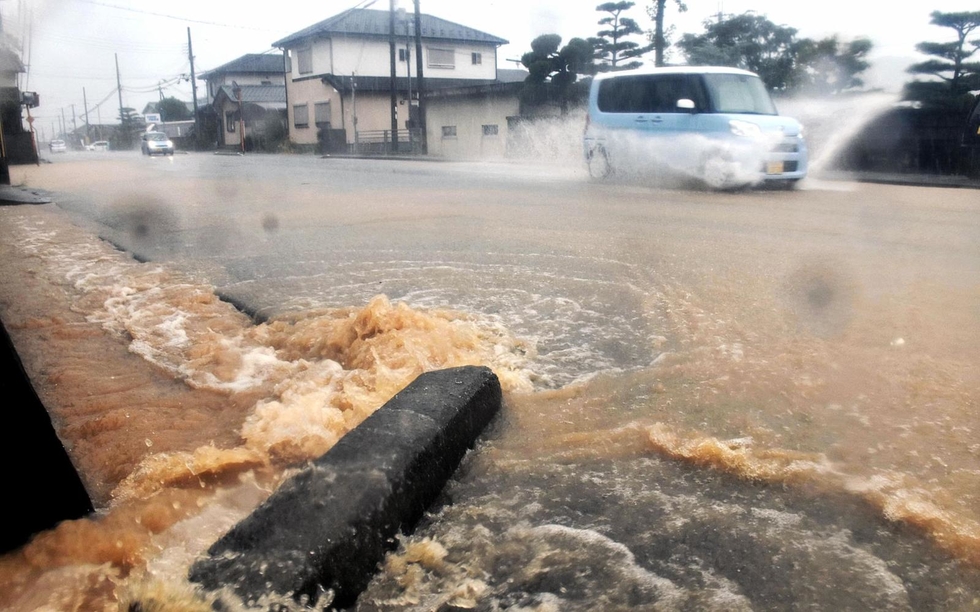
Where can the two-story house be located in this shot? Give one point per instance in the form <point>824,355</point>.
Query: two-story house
<point>339,70</point>
<point>18,143</point>
<point>244,92</point>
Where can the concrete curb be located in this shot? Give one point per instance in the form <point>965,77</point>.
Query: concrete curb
<point>328,528</point>
<point>40,478</point>
<point>909,180</point>
<point>421,158</point>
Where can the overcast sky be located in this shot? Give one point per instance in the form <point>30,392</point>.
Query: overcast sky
<point>73,42</point>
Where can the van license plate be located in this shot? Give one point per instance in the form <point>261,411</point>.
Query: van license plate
<point>774,167</point>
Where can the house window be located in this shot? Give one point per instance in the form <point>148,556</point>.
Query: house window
<point>404,55</point>
<point>449,131</point>
<point>490,130</point>
<point>301,115</point>
<point>230,122</point>
<point>477,58</point>
<point>304,60</point>
<point>442,58</point>
<point>321,114</point>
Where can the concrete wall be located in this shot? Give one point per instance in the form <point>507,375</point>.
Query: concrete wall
<point>469,114</point>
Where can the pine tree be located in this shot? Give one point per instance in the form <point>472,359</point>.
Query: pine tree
<point>950,65</point>
<point>613,50</point>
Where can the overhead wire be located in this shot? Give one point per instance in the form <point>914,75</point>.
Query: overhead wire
<point>175,17</point>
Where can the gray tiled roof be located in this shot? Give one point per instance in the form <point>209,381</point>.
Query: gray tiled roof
<point>370,22</point>
<point>250,63</point>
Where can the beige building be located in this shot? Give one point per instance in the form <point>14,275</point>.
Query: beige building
<point>249,69</point>
<point>245,93</point>
<point>338,72</point>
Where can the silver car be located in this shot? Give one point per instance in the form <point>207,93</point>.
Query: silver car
<point>157,142</point>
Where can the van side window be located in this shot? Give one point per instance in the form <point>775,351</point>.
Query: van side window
<point>621,95</point>
<point>650,93</point>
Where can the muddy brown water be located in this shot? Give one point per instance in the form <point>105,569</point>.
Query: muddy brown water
<point>713,401</point>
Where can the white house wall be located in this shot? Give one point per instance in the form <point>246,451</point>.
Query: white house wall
<point>468,115</point>
<point>370,57</point>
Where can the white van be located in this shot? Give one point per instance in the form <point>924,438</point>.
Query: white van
<point>715,124</point>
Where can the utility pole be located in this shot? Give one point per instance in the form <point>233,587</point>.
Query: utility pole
<point>88,129</point>
<point>190,56</point>
<point>394,91</point>
<point>237,90</point>
<point>418,75</point>
<point>408,71</point>
<point>353,103</point>
<point>74,122</point>
<point>119,89</point>
<point>64,124</point>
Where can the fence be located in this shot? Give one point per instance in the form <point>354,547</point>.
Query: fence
<point>379,142</point>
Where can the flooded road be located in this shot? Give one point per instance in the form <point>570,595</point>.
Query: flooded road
<point>713,401</point>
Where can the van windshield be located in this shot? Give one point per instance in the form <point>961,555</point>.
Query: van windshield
<point>739,93</point>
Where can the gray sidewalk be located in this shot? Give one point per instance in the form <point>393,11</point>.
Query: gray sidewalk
<point>21,195</point>
<point>914,180</point>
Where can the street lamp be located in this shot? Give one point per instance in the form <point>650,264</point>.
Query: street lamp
<point>237,90</point>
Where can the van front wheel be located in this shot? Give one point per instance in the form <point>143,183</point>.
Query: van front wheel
<point>719,172</point>
<point>599,168</point>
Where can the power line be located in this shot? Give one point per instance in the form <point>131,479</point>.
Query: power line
<point>166,16</point>
<point>117,44</point>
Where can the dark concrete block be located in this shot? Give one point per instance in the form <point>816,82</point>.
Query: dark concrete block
<point>41,483</point>
<point>329,527</point>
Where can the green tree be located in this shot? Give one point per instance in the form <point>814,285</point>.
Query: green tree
<point>207,128</point>
<point>751,42</point>
<point>830,66</point>
<point>553,71</point>
<point>950,62</point>
<point>130,124</point>
<point>661,36</point>
<point>172,109</point>
<point>612,49</point>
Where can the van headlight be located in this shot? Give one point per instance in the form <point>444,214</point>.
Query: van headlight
<point>744,129</point>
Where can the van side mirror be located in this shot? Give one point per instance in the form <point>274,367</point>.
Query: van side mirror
<point>686,104</point>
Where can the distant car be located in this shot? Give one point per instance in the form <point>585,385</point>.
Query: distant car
<point>98,145</point>
<point>57,146</point>
<point>156,142</point>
